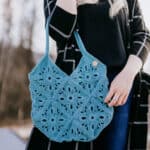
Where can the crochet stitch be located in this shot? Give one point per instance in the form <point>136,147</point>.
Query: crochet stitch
<point>70,107</point>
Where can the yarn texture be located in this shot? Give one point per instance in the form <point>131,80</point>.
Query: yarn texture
<point>70,107</point>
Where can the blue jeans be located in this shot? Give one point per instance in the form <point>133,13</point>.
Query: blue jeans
<point>115,135</point>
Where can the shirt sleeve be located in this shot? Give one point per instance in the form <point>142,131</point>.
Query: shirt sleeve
<point>140,35</point>
<point>62,21</point>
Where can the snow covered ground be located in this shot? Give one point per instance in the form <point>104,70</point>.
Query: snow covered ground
<point>14,137</point>
<point>10,141</point>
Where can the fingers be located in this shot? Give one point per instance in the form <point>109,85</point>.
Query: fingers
<point>118,93</point>
<point>116,98</point>
<point>122,100</point>
<point>109,96</point>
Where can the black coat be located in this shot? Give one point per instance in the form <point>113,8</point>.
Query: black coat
<point>134,31</point>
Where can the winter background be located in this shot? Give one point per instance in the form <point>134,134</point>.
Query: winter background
<point>22,36</point>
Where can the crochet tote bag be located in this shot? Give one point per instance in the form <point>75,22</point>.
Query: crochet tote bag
<point>69,107</point>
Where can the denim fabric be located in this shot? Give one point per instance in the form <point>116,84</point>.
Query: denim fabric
<point>115,135</point>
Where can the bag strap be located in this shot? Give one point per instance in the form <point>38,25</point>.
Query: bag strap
<point>77,37</point>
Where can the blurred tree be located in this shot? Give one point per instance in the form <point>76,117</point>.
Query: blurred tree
<point>4,63</point>
<point>16,58</point>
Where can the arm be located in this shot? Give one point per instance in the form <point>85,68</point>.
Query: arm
<point>140,35</point>
<point>121,85</point>
<point>139,48</point>
<point>63,19</point>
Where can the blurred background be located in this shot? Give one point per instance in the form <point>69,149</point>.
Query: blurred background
<point>21,46</point>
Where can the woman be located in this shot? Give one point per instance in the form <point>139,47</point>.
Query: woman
<point>115,33</point>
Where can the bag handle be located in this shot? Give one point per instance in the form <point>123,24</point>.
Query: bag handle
<point>77,37</point>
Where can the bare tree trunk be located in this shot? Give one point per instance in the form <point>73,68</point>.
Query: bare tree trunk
<point>5,55</point>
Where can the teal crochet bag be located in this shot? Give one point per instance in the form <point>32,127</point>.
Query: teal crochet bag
<point>69,107</point>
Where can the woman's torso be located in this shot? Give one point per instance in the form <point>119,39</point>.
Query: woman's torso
<point>101,35</point>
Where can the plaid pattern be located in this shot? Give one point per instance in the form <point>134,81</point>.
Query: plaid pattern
<point>63,23</point>
<point>138,124</point>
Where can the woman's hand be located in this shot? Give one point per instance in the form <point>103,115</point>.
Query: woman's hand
<point>121,85</point>
<point>119,89</point>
